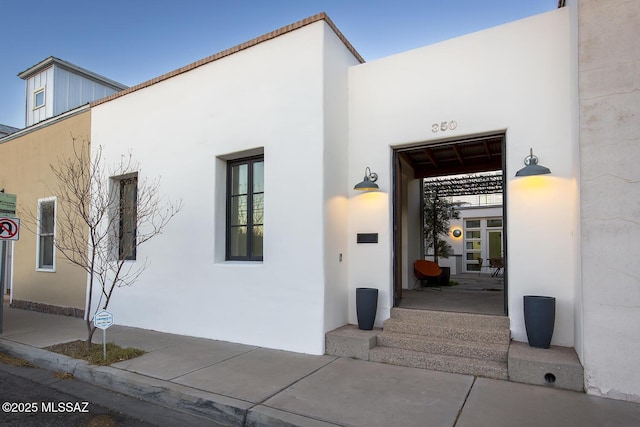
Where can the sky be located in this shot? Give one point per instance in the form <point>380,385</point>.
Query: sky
<point>132,41</point>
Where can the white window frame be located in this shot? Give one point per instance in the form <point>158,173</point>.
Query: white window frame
<point>35,97</point>
<point>54,199</point>
<point>479,239</point>
<point>484,229</point>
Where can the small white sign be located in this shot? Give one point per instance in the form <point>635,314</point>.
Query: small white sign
<point>103,320</point>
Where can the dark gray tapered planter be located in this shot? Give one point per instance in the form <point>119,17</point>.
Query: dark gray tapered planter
<point>539,319</point>
<point>366,307</point>
<point>445,276</point>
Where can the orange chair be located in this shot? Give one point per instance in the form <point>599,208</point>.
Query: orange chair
<point>426,270</point>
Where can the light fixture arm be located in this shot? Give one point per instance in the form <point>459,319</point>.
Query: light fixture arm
<point>371,176</point>
<point>368,182</point>
<point>531,159</point>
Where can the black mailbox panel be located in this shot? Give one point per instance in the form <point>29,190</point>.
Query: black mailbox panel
<point>367,237</point>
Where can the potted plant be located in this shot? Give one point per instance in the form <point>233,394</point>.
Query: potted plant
<point>437,215</point>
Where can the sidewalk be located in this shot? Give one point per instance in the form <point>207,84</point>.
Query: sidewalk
<point>236,384</point>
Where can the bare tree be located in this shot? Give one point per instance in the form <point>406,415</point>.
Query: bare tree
<point>104,215</point>
<point>437,214</point>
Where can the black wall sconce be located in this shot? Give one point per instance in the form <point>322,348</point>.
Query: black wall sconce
<point>368,182</point>
<point>532,167</point>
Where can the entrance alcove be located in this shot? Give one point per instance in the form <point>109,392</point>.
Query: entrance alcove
<point>465,175</point>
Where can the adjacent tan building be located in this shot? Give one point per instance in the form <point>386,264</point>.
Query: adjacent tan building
<point>42,279</point>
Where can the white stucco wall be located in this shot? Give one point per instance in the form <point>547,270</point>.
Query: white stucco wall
<point>412,238</point>
<point>499,80</point>
<point>268,97</point>
<point>410,219</point>
<point>337,58</point>
<point>609,140</point>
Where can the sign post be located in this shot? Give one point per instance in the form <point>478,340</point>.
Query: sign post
<point>103,320</point>
<point>9,230</point>
<point>7,209</point>
<point>3,274</point>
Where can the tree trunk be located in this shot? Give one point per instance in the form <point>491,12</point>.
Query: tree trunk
<point>90,336</point>
<point>435,230</point>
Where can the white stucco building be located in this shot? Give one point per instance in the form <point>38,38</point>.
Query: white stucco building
<point>282,98</point>
<point>296,116</point>
<point>511,91</point>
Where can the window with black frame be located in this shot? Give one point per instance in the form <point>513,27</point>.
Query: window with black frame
<point>245,209</point>
<point>128,218</point>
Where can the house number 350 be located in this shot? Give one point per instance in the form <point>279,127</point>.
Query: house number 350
<point>444,126</point>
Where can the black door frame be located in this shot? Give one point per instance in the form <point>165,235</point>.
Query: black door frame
<point>397,199</point>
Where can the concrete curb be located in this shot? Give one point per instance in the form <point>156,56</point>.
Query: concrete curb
<point>220,409</point>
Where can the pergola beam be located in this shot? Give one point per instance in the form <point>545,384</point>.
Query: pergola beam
<point>466,185</point>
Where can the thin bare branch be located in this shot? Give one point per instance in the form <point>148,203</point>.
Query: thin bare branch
<point>89,218</point>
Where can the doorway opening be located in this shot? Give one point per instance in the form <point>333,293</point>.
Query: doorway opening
<point>467,176</point>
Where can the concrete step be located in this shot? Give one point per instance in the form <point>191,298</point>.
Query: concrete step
<point>449,318</point>
<point>557,367</point>
<point>475,333</point>
<point>439,362</point>
<point>349,341</point>
<point>445,346</point>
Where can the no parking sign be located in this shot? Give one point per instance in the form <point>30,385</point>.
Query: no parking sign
<point>9,228</point>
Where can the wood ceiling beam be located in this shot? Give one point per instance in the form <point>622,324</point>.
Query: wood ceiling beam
<point>427,152</point>
<point>456,149</point>
<point>487,149</point>
<point>407,158</point>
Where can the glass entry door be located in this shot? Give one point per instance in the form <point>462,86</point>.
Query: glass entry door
<point>483,241</point>
<point>495,243</point>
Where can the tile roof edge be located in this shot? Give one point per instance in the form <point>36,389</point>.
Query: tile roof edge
<point>341,36</point>
<point>227,52</point>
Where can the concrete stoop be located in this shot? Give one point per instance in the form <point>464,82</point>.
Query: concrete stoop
<point>349,341</point>
<point>440,362</point>
<point>556,367</point>
<point>452,319</point>
<point>445,346</point>
<point>462,343</point>
<point>470,344</point>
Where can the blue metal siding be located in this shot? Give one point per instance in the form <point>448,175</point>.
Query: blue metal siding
<point>73,90</point>
<point>44,80</point>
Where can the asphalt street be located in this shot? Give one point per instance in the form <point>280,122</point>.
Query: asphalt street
<point>36,397</point>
